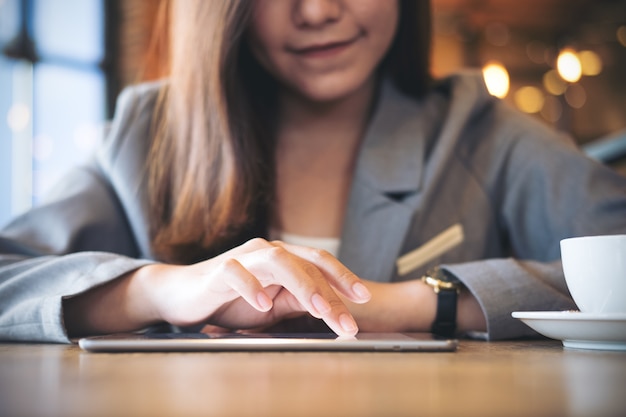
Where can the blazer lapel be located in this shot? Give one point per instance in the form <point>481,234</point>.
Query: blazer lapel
<point>373,233</point>
<point>385,186</point>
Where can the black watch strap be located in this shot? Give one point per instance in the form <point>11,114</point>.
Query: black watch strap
<point>445,319</point>
<point>447,287</point>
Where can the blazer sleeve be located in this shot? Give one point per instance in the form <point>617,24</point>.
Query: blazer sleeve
<point>544,190</point>
<point>79,239</point>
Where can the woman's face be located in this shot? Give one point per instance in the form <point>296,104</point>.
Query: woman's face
<point>322,49</point>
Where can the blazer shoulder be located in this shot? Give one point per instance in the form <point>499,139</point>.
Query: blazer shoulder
<point>139,95</point>
<point>131,128</point>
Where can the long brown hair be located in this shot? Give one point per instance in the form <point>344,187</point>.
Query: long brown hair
<point>211,164</point>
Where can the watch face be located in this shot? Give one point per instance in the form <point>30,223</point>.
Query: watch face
<point>443,275</point>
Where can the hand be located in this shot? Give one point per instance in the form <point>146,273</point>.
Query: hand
<point>255,285</point>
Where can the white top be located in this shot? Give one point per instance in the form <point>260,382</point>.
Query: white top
<point>329,244</point>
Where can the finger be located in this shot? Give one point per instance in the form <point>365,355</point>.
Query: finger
<point>245,284</point>
<point>306,282</point>
<point>346,282</point>
<point>340,277</point>
<point>250,246</point>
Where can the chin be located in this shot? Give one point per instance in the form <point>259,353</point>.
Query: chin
<point>330,89</point>
<point>325,96</point>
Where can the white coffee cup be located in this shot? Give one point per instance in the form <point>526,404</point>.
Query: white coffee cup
<point>595,272</point>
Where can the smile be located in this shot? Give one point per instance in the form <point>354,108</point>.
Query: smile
<point>324,50</point>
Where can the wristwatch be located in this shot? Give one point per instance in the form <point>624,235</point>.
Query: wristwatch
<point>447,288</point>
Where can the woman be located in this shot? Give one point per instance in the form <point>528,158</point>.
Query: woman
<point>290,134</point>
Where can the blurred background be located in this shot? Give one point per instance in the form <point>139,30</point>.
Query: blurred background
<point>63,63</point>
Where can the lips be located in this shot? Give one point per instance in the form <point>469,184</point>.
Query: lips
<point>323,49</point>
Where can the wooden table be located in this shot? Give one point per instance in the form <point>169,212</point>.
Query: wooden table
<point>536,378</point>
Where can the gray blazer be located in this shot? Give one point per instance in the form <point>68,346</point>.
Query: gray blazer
<point>458,156</point>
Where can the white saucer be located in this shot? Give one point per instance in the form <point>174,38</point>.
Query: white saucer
<point>579,330</point>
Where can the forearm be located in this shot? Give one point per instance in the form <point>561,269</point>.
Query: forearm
<point>33,290</point>
<point>117,306</point>
<point>411,306</point>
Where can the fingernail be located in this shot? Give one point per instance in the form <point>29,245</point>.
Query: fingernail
<point>361,291</point>
<point>264,301</point>
<point>320,304</point>
<point>347,323</point>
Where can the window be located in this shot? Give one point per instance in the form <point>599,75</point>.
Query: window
<point>53,95</point>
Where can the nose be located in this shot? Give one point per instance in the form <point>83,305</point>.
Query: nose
<point>316,13</point>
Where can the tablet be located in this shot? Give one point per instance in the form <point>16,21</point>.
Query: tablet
<point>198,342</point>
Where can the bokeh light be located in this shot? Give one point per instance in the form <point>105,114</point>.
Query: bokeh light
<point>569,66</point>
<point>529,99</point>
<point>590,63</point>
<point>621,35</point>
<point>576,96</point>
<point>496,78</point>
<point>553,83</point>
<point>18,117</point>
